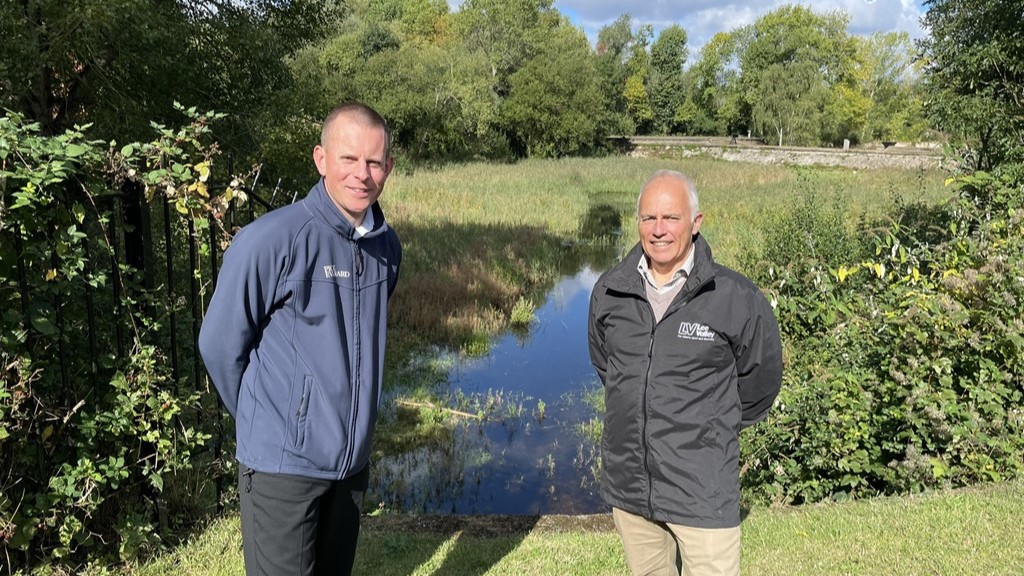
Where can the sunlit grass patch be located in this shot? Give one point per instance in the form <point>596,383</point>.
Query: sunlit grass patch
<point>522,313</point>
<point>972,531</point>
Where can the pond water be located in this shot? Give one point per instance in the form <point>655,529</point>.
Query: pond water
<point>530,456</point>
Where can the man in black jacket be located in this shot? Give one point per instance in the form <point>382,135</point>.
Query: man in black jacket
<point>689,354</point>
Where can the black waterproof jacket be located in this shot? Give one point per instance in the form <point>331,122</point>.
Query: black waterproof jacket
<point>678,392</point>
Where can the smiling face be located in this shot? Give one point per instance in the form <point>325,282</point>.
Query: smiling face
<point>667,224</point>
<point>354,162</point>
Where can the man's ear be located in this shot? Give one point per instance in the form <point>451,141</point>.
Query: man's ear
<point>320,159</point>
<point>697,222</point>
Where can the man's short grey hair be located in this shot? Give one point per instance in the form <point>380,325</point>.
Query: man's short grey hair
<point>363,113</point>
<point>682,178</point>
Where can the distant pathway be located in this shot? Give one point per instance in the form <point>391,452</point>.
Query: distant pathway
<point>744,150</point>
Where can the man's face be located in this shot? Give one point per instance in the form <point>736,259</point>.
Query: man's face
<point>666,224</point>
<point>354,165</point>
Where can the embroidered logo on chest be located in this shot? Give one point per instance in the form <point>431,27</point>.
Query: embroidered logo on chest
<point>332,272</point>
<point>695,331</point>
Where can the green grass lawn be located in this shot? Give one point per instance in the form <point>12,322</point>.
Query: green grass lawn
<point>971,531</point>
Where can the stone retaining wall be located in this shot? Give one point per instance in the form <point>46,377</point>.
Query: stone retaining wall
<point>860,159</point>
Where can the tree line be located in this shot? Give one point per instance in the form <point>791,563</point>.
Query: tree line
<point>494,79</point>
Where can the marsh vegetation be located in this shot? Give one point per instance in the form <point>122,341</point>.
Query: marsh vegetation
<point>492,405</point>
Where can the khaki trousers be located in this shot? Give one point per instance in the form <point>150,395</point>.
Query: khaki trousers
<point>651,547</point>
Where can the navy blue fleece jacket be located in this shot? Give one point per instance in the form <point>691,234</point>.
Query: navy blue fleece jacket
<point>294,337</point>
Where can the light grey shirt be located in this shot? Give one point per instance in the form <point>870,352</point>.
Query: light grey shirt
<point>661,296</point>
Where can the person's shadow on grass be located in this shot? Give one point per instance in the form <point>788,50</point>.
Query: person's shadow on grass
<point>400,545</point>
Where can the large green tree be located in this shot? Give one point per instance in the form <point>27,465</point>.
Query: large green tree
<point>668,55</point>
<point>438,103</point>
<point>889,79</point>
<point>445,81</point>
<point>799,39</point>
<point>120,64</point>
<point>612,49</point>
<point>975,76</point>
<point>636,92</point>
<point>413,20</point>
<point>555,105</point>
<point>404,59</point>
<point>507,31</point>
<point>715,88</point>
<point>786,102</point>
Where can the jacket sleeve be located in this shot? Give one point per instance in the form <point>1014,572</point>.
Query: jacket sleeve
<point>595,334</point>
<point>759,361</point>
<point>241,303</point>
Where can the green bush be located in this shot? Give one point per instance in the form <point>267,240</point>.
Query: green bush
<point>903,367</point>
<point>801,244</point>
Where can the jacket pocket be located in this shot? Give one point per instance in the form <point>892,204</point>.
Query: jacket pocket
<point>303,410</point>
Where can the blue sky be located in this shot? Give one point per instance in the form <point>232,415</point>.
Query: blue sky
<point>702,19</point>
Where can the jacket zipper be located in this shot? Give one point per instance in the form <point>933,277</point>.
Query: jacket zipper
<point>357,356</point>
<point>643,432</point>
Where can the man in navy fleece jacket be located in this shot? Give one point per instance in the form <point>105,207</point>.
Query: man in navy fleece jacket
<point>294,343</point>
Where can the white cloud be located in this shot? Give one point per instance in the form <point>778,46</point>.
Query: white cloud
<point>569,287</point>
<point>702,19</point>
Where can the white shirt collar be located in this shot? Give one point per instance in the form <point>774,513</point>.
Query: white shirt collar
<point>367,224</point>
<point>678,277</point>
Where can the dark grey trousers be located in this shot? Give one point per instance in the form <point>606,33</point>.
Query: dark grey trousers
<point>297,526</point>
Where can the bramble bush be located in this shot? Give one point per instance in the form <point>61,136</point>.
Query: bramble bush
<point>88,436</point>
<point>903,363</point>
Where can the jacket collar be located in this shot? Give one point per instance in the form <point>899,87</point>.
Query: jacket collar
<point>319,203</point>
<point>624,277</point>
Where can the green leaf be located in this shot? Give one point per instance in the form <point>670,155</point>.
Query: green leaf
<point>44,325</point>
<point>75,150</point>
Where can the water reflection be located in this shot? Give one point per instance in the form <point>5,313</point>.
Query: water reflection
<point>530,457</point>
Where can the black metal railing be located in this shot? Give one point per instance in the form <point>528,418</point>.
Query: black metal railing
<point>147,255</point>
